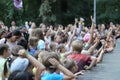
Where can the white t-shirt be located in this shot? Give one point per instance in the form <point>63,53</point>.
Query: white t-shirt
<point>11,45</point>
<point>47,41</point>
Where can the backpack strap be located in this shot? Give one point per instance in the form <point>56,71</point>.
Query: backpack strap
<point>5,41</point>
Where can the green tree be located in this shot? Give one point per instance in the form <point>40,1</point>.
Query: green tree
<point>46,12</point>
<point>108,10</point>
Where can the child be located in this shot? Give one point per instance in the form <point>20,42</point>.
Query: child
<point>61,49</point>
<point>34,62</point>
<point>23,43</point>
<point>109,45</point>
<point>47,38</point>
<point>51,62</point>
<point>81,59</point>
<point>33,42</point>
<point>4,53</point>
<point>39,34</point>
<point>71,65</point>
<point>53,46</point>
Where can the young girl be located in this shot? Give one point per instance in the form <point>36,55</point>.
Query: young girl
<point>47,38</point>
<point>4,53</point>
<point>40,67</point>
<point>52,64</point>
<point>33,42</point>
<point>71,65</point>
<point>39,34</point>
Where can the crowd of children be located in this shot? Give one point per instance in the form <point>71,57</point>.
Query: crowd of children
<point>53,53</point>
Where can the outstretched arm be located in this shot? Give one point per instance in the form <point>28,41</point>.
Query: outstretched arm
<point>91,49</point>
<point>35,62</point>
<point>92,63</point>
<point>91,31</point>
<point>71,37</point>
<point>68,74</point>
<point>109,34</point>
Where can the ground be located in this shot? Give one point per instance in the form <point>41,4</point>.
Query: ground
<point>108,69</point>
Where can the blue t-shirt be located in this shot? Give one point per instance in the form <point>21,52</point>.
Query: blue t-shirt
<point>32,51</point>
<point>51,76</point>
<point>41,45</point>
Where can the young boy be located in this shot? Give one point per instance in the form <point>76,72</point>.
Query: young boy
<point>81,59</point>
<point>52,64</point>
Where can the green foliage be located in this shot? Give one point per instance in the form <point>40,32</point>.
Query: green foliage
<point>59,11</point>
<point>108,11</point>
<point>46,12</point>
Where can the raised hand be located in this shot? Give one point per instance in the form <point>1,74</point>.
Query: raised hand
<point>87,67</point>
<point>92,19</point>
<point>22,53</point>
<point>76,20</point>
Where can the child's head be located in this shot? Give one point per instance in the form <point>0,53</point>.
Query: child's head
<point>77,46</point>
<point>52,46</point>
<point>61,48</point>
<point>47,64</point>
<point>71,65</point>
<point>33,41</point>
<point>23,43</point>
<point>47,32</point>
<point>57,39</point>
<point>41,55</point>
<point>16,49</point>
<point>4,50</point>
<point>38,33</point>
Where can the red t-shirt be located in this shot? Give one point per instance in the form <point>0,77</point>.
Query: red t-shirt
<point>81,59</point>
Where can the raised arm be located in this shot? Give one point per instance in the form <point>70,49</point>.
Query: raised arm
<point>93,62</point>
<point>35,62</point>
<point>80,29</point>
<point>91,49</point>
<point>80,26</point>
<point>91,31</point>
<point>68,75</point>
<point>109,34</point>
<point>71,37</point>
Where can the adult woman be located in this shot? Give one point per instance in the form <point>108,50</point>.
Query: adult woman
<point>12,38</point>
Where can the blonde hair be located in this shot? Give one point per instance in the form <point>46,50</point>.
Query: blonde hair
<point>77,45</point>
<point>69,63</point>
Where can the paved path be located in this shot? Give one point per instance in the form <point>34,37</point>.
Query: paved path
<point>108,69</point>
